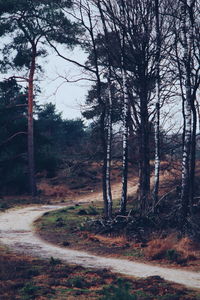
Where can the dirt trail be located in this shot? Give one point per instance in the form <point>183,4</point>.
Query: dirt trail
<point>116,192</point>
<point>17,233</point>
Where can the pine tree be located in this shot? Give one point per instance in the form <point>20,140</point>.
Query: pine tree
<point>28,24</point>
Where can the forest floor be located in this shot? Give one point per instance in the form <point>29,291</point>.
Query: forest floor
<point>67,227</point>
<point>70,227</point>
<point>24,277</point>
<point>16,232</point>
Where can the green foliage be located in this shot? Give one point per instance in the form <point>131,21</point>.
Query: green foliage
<point>54,138</point>
<point>3,206</point>
<point>54,261</point>
<point>172,255</point>
<point>60,222</point>
<point>170,297</point>
<point>13,128</point>
<point>77,282</point>
<point>29,291</point>
<point>119,292</point>
<point>28,23</point>
<point>47,139</point>
<point>92,211</point>
<point>28,26</point>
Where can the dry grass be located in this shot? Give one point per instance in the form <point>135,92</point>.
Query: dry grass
<point>159,248</point>
<point>56,191</point>
<point>106,240</point>
<point>187,248</point>
<point>22,277</point>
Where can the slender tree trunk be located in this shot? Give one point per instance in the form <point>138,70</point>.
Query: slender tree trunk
<point>108,131</point>
<point>186,183</point>
<point>198,114</point>
<point>144,159</point>
<point>104,167</point>
<point>108,152</point>
<point>31,161</point>
<point>103,133</point>
<point>157,124</point>
<point>123,201</point>
<point>104,145</point>
<point>194,111</point>
<point>185,188</point>
<point>193,155</point>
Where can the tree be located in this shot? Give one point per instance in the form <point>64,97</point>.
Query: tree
<point>56,139</point>
<point>138,56</point>
<point>28,23</point>
<point>157,87</point>
<point>186,37</point>
<point>13,135</point>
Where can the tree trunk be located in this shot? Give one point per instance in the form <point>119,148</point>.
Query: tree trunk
<point>108,152</point>
<point>144,158</point>
<point>108,131</point>
<point>198,113</point>
<point>194,111</point>
<point>123,201</point>
<point>31,162</point>
<point>186,183</point>
<point>193,155</point>
<point>104,147</point>
<point>157,124</point>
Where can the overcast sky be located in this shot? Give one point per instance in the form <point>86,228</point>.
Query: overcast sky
<point>68,97</point>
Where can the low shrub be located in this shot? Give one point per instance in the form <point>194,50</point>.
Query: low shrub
<point>92,211</point>
<point>54,261</point>
<point>158,248</point>
<point>122,292</point>
<point>172,255</point>
<point>29,291</point>
<point>78,282</point>
<point>179,251</point>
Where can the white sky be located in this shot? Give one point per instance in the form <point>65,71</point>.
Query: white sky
<point>68,97</point>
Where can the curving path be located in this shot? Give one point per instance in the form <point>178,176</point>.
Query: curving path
<point>17,233</point>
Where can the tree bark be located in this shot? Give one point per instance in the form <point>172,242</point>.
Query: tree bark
<point>193,155</point>
<point>186,183</point>
<point>104,167</point>
<point>144,158</point>
<point>122,38</point>
<point>108,152</point>
<point>157,123</point>
<point>198,113</point>
<point>123,201</point>
<point>31,162</point>
<point>107,194</point>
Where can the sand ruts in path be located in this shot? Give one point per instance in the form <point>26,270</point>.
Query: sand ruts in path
<point>16,231</point>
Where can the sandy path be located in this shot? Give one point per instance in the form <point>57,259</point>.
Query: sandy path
<point>116,192</point>
<point>17,232</point>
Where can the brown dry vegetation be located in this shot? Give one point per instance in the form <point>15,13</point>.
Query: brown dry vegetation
<point>69,227</point>
<point>22,277</point>
<point>84,182</point>
<point>182,251</point>
<point>163,247</point>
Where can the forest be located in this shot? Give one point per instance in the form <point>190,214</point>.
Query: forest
<point>125,176</point>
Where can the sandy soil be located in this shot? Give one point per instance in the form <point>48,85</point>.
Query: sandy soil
<point>17,233</point>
